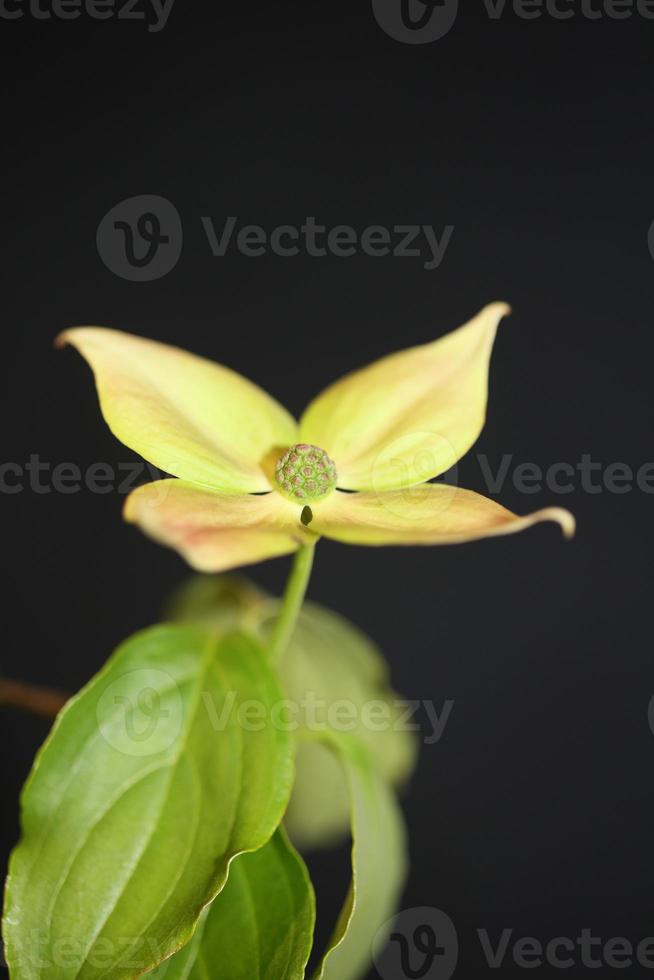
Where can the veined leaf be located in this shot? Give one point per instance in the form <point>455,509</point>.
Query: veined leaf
<point>342,776</point>
<point>336,678</point>
<point>379,864</point>
<point>259,928</point>
<point>147,787</point>
<point>333,666</point>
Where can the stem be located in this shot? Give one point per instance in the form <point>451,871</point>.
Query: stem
<point>28,697</point>
<point>294,593</point>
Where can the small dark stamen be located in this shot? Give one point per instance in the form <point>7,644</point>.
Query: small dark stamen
<point>306,516</point>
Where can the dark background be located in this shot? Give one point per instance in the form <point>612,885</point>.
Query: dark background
<point>532,138</point>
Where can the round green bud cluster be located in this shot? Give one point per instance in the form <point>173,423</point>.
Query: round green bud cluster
<point>305,473</point>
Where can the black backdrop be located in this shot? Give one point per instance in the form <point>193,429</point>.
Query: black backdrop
<point>533,139</point>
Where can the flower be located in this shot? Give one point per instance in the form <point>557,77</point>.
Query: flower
<point>251,483</point>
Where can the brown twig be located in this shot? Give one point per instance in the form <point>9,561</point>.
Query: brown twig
<point>42,701</point>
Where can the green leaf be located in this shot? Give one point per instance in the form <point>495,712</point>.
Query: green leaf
<point>259,928</point>
<point>328,662</point>
<point>343,777</point>
<point>379,865</point>
<point>318,815</point>
<point>337,668</point>
<point>149,784</point>
<point>220,601</point>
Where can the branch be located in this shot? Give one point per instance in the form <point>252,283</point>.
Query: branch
<point>42,701</point>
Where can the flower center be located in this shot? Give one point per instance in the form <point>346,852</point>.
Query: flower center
<point>305,473</point>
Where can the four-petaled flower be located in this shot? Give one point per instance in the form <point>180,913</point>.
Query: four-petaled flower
<point>251,483</point>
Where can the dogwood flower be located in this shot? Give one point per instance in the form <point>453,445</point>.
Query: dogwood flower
<point>250,483</point>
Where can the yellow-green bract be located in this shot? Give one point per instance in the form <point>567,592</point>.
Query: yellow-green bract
<point>386,430</point>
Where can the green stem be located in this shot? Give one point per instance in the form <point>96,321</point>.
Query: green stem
<point>294,593</point>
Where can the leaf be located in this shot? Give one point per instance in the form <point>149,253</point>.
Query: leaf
<point>222,601</point>
<point>318,815</point>
<point>379,865</point>
<point>330,662</point>
<point>343,778</point>
<point>259,928</point>
<point>147,787</point>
